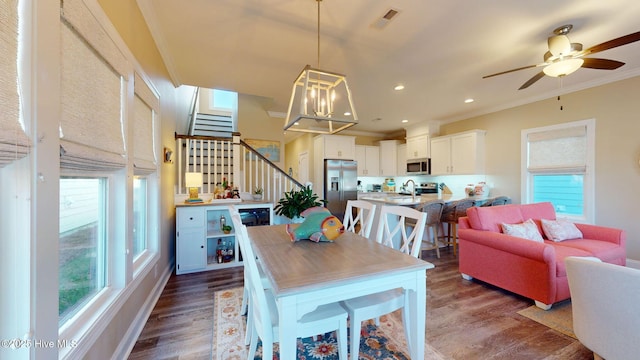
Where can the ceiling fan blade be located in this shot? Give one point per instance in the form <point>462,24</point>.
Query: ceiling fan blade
<point>601,64</point>
<point>623,40</point>
<point>535,78</point>
<point>512,70</point>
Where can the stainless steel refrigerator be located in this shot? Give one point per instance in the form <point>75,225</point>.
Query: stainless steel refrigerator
<point>340,185</point>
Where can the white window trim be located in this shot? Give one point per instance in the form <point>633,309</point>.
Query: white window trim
<point>526,176</point>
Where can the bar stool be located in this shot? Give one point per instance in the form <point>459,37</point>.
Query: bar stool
<point>434,213</point>
<point>450,215</point>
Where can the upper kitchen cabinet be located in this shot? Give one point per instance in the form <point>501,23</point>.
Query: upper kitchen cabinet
<point>368,158</point>
<point>336,146</point>
<point>418,147</point>
<point>458,154</point>
<point>388,157</point>
<point>401,163</point>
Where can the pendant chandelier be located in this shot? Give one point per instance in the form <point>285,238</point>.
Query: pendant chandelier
<point>321,101</point>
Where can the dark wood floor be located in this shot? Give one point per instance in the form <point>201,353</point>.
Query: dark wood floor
<point>465,320</point>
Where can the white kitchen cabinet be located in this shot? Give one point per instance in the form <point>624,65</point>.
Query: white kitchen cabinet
<point>336,146</point>
<point>368,158</point>
<point>198,232</point>
<point>401,163</point>
<point>458,154</point>
<point>418,147</point>
<point>388,158</point>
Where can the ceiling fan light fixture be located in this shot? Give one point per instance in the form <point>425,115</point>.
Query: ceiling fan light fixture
<point>563,67</point>
<point>318,98</point>
<point>559,45</point>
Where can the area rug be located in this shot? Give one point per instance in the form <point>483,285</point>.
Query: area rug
<point>558,318</point>
<point>384,342</point>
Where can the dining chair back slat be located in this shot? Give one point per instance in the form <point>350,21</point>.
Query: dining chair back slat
<point>362,221</point>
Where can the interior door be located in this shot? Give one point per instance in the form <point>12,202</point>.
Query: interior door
<point>303,167</point>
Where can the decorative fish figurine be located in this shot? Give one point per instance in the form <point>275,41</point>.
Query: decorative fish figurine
<point>318,225</point>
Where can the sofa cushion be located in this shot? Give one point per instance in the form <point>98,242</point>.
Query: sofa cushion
<point>542,210</point>
<point>605,251</point>
<point>491,218</point>
<point>559,230</point>
<point>562,252</point>
<point>526,230</point>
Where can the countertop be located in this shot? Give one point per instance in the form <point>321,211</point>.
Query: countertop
<point>216,202</point>
<point>408,200</point>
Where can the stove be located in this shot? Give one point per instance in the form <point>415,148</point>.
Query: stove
<point>426,188</point>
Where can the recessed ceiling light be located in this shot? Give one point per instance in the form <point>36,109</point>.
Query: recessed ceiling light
<point>467,101</point>
<point>296,123</point>
<point>405,120</point>
<point>399,87</point>
<point>347,114</point>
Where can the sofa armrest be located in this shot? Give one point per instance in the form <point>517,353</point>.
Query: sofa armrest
<point>603,233</point>
<point>510,244</point>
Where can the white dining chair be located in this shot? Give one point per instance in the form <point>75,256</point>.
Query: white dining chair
<point>264,312</point>
<point>362,222</point>
<point>236,219</point>
<point>392,226</point>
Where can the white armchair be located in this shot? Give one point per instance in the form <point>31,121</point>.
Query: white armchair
<point>606,315</point>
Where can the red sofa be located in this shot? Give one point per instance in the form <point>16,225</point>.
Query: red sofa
<point>532,269</point>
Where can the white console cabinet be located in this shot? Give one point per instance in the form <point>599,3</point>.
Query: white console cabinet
<point>198,233</point>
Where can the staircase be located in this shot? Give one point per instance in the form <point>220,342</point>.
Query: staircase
<point>212,125</point>
<point>216,151</point>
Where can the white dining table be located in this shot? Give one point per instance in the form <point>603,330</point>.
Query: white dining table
<point>305,275</point>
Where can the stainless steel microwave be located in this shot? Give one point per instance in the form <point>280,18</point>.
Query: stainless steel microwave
<point>419,167</point>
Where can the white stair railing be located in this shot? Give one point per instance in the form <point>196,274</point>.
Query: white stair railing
<point>229,159</point>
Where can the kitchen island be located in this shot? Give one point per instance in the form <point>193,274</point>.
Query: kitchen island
<point>415,201</point>
<point>394,199</point>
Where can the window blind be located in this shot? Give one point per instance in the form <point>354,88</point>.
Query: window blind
<point>562,150</point>
<point>14,143</point>
<point>143,147</point>
<point>145,107</point>
<point>91,132</point>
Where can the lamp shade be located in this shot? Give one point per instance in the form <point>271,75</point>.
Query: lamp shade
<point>193,179</point>
<point>563,67</point>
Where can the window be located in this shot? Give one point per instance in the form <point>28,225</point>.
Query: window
<point>558,166</point>
<point>224,100</point>
<point>139,215</point>
<point>82,249</point>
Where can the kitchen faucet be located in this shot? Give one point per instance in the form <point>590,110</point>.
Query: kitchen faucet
<point>413,188</point>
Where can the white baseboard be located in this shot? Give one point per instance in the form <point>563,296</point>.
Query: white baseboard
<point>135,329</point>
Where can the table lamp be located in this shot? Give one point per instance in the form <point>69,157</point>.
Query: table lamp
<point>193,180</point>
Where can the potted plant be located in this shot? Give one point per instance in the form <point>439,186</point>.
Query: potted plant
<point>295,202</point>
<point>257,193</point>
<point>226,229</point>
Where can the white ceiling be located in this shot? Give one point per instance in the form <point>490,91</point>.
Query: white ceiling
<point>439,49</point>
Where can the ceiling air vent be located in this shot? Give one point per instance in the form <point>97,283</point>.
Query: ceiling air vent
<point>385,19</point>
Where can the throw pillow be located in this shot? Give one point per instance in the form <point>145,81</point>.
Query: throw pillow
<point>559,230</point>
<point>526,230</point>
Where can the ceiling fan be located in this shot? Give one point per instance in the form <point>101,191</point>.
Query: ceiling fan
<point>565,57</point>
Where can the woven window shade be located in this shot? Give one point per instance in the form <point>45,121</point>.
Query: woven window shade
<point>91,133</point>
<point>144,158</point>
<point>145,108</point>
<point>14,143</point>
<point>562,149</point>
